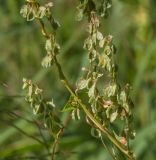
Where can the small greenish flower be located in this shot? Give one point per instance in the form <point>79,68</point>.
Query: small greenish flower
<point>111,90</point>
<point>24,11</point>
<point>47,61</point>
<point>99,36</point>
<point>48,45</point>
<point>51,103</point>
<point>83,83</point>
<point>41,12</point>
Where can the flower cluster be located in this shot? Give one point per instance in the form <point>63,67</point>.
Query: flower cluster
<point>85,8</point>
<point>34,96</point>
<point>32,10</point>
<point>110,102</point>
<point>52,48</point>
<point>41,107</point>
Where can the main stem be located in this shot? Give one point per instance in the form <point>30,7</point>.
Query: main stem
<point>63,79</point>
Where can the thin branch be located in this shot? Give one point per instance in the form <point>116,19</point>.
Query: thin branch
<point>59,134</point>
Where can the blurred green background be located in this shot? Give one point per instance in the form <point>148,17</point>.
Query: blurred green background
<point>133,25</point>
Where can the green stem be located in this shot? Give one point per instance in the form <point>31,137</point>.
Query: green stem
<point>63,79</point>
<point>121,147</point>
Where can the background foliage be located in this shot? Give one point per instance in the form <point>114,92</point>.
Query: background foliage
<point>132,23</point>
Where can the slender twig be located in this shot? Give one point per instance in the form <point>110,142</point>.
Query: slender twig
<point>43,30</point>
<point>59,134</point>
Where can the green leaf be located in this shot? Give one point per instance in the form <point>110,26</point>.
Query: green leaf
<point>70,105</point>
<point>53,124</point>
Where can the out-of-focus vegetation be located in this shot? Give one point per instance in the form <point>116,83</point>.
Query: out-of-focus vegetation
<point>133,25</point>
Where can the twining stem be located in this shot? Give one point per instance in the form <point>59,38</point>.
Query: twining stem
<point>104,130</point>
